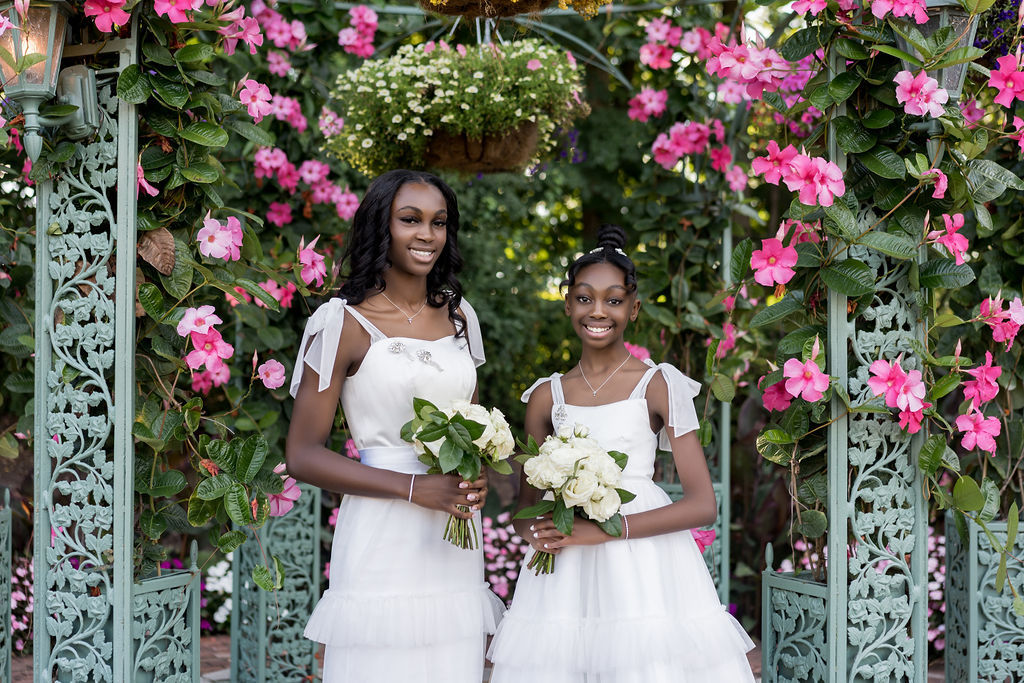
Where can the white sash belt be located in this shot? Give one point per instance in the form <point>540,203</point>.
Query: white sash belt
<point>394,458</point>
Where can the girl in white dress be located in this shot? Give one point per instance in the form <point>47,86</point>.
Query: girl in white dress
<point>403,604</point>
<point>641,608</point>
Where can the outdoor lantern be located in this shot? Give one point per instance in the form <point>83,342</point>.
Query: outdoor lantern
<point>42,31</point>
<point>943,13</point>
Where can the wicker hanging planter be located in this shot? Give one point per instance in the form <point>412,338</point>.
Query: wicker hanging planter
<point>509,151</point>
<point>490,9</point>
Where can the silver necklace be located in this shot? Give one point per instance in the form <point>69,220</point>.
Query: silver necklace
<point>407,316</point>
<point>592,389</point>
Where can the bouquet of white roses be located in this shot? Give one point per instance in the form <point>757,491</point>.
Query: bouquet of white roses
<point>583,479</point>
<point>461,438</point>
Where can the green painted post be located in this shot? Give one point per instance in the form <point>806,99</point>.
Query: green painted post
<point>6,556</point>
<point>725,452</point>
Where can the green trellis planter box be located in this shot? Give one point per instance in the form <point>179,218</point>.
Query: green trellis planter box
<point>794,627</point>
<point>984,638</point>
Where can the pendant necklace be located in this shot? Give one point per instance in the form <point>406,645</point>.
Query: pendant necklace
<point>407,316</point>
<point>592,389</point>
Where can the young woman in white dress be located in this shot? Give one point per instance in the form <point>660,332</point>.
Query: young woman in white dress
<point>403,605</point>
<point>641,608</point>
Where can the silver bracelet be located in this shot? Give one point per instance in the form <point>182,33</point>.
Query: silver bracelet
<point>411,482</point>
<point>625,527</point>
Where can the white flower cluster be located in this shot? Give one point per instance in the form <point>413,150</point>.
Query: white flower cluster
<point>495,444</point>
<point>578,471</point>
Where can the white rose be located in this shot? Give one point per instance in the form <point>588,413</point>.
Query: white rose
<point>564,458</point>
<point>581,430</point>
<point>602,507</point>
<point>502,444</point>
<point>581,489</point>
<point>564,431</point>
<point>604,468</point>
<point>541,473</point>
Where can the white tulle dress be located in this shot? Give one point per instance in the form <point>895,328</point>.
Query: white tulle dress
<point>635,611</point>
<point>403,605</point>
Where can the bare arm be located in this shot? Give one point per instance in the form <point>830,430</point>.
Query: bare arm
<point>310,461</point>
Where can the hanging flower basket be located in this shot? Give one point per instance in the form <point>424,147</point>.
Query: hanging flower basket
<point>485,108</point>
<point>491,9</point>
<point>509,151</point>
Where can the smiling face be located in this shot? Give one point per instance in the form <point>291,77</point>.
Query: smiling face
<point>419,228</point>
<point>600,306</point>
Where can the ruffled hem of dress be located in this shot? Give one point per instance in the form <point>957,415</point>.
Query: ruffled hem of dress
<point>343,618</point>
<point>609,644</point>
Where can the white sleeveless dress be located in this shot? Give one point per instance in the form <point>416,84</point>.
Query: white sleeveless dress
<point>636,611</point>
<point>403,604</point>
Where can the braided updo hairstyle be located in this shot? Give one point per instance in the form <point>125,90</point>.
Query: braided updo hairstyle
<point>366,257</point>
<point>611,239</point>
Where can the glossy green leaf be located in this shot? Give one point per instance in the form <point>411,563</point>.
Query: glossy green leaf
<point>850,277</point>
<point>195,52</point>
<point>946,274</point>
<point>152,524</point>
<point>562,517</point>
<point>251,132</point>
<point>777,311</point>
<point>251,457</point>
<point>840,221</point>
<point>231,541</point>
<point>929,459</point>
<point>899,54</point>
<point>263,578</point>
<point>133,85</point>
<point>850,49</point>
<point>723,388</point>
<point>215,487</point>
<point>812,524</point>
<point>879,118</point>
<point>990,170</point>
<point>173,93</point>
<point>892,245</point>
<point>260,293</point>
<point>851,136</point>
<point>200,172</point>
<point>152,300</point>
<point>236,504</point>
<point>944,386</point>
<point>740,261</point>
<point>843,86</point>
<point>884,162</point>
<point>967,496</point>
<point>206,134</point>
<point>806,41</point>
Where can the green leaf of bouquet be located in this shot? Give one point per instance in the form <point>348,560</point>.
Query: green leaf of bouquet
<point>812,524</point>
<point>850,277</point>
<point>263,578</point>
<point>459,435</point>
<point>889,244</point>
<point>433,432</point>
<point>612,526</point>
<point>740,262</point>
<point>843,86</point>
<point>528,447</point>
<point>206,134</point>
<point>625,496</point>
<point>778,311</point>
<point>538,510</point>
<point>501,466</point>
<point>945,274</point>
<point>469,467</point>
<point>236,504</point>
<point>231,541</point>
<point>879,118</point>
<point>620,458</point>
<point>967,496</point>
<point>944,386</point>
<point>563,517</point>
<point>929,459</point>
<point>884,162</point>
<point>473,428</point>
<point>449,455</point>
<point>418,404</point>
<point>723,388</point>
<point>251,457</point>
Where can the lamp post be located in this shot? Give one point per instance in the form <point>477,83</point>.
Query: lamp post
<point>35,44</point>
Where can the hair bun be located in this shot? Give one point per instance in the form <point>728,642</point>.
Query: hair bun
<point>611,236</point>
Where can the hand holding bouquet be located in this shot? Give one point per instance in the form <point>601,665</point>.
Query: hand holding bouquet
<point>583,479</point>
<point>461,438</point>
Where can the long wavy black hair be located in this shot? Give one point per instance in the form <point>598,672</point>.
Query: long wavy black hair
<point>366,257</point>
<point>611,239</point>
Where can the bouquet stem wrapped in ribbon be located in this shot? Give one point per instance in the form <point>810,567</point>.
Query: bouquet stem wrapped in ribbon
<point>460,439</point>
<point>583,479</point>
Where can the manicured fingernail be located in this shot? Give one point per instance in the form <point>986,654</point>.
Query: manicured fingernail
<point>463,485</point>
<point>471,496</point>
<point>535,535</point>
<point>545,545</point>
<point>532,527</point>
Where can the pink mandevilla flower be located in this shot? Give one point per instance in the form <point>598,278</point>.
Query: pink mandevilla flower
<point>979,431</point>
<point>776,164</point>
<point>886,380</point>
<point>175,10</point>
<point>638,351</point>
<point>941,182</point>
<point>281,503</point>
<point>313,267</point>
<point>279,214</point>
<point>910,395</point>
<point>805,379</point>
<point>773,263</point>
<point>776,398</point>
<point>141,183</point>
<point>703,538</point>
<point>1008,79</point>
<point>920,94</point>
<point>728,340</point>
<point>736,177</point>
<point>108,13</point>
<point>256,98</point>
<point>949,238</point>
<point>210,350</point>
<point>198,320</point>
<point>271,373</point>
<point>983,387</point>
